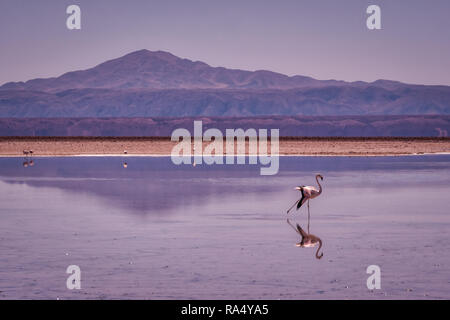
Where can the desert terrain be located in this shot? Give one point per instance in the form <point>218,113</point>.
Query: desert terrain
<point>161,146</point>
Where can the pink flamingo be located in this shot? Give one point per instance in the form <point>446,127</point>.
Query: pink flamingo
<point>308,193</point>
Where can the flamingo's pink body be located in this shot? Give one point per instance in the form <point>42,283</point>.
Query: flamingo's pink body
<point>309,192</point>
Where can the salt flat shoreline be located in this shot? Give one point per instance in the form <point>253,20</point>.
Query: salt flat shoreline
<point>162,146</point>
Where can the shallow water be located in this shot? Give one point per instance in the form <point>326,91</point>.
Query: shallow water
<point>154,230</point>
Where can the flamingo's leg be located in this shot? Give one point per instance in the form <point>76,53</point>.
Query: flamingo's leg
<point>289,210</point>
<point>289,222</point>
<point>308,216</point>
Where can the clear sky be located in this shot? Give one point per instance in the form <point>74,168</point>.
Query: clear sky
<point>325,39</point>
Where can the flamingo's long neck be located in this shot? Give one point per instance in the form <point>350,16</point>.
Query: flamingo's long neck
<point>317,252</point>
<point>320,186</point>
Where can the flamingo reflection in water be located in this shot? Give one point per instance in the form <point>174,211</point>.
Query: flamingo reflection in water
<point>308,240</point>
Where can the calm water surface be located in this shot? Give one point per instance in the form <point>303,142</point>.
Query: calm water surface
<point>154,230</point>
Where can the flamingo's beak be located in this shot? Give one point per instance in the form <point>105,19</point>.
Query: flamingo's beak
<point>297,188</point>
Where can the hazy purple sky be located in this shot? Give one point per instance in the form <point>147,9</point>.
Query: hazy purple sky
<point>322,38</point>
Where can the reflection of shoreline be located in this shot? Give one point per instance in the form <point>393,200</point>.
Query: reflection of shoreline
<point>162,147</point>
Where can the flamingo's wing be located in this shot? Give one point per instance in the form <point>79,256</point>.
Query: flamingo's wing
<point>302,200</point>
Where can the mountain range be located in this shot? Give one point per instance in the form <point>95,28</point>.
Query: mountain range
<point>323,126</point>
<point>158,84</point>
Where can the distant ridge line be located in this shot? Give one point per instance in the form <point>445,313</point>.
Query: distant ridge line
<point>295,126</point>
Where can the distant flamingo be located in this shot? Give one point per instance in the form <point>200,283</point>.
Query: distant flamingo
<point>27,163</point>
<point>308,192</point>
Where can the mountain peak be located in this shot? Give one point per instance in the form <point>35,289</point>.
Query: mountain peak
<point>147,54</point>
<point>145,69</point>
